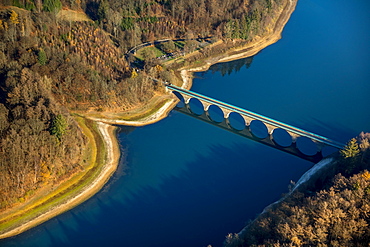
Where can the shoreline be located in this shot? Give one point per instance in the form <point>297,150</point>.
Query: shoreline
<point>307,176</point>
<point>245,51</point>
<point>108,133</point>
<point>107,130</point>
<point>153,118</point>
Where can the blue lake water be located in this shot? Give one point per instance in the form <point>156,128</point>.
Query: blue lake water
<point>182,182</point>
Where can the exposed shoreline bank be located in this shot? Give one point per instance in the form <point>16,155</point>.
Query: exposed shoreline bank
<point>107,131</point>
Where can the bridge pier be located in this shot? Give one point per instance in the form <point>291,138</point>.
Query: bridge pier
<point>246,132</point>
<point>270,125</point>
<point>187,99</point>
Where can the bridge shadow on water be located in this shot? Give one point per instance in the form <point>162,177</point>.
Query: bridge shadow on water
<point>297,141</point>
<point>216,194</point>
<point>257,131</point>
<point>331,130</point>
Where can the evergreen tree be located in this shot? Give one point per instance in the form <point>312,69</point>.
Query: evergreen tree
<point>351,150</point>
<point>58,126</point>
<point>127,23</point>
<point>52,5</point>
<point>42,57</point>
<point>102,10</point>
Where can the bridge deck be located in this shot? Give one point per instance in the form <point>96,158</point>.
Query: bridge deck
<point>257,116</point>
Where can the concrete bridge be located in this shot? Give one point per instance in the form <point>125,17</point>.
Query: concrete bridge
<point>253,126</point>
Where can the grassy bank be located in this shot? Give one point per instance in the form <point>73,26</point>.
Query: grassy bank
<point>146,113</point>
<point>135,114</point>
<point>28,215</point>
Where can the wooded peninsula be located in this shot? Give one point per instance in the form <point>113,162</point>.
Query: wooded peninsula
<point>69,68</point>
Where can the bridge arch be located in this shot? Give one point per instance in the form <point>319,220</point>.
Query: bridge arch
<point>181,103</point>
<point>236,121</point>
<point>258,129</point>
<point>215,113</point>
<point>195,106</point>
<point>243,122</point>
<point>281,137</point>
<point>306,146</point>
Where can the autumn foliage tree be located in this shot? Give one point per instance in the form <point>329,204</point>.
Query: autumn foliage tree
<point>336,214</point>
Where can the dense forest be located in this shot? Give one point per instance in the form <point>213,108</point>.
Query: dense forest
<point>132,22</point>
<point>59,57</point>
<point>331,210</point>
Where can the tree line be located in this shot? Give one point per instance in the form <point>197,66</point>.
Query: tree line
<point>331,212</point>
<point>133,22</point>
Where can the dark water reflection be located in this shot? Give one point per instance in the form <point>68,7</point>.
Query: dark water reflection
<point>230,67</point>
<point>196,107</point>
<point>258,129</point>
<point>282,138</point>
<point>236,121</point>
<point>216,114</point>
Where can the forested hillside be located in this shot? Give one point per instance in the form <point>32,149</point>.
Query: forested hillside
<point>60,56</point>
<point>326,212</point>
<point>132,22</point>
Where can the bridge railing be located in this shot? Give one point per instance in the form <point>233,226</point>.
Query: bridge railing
<point>256,116</point>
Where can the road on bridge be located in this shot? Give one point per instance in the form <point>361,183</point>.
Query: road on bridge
<point>256,116</point>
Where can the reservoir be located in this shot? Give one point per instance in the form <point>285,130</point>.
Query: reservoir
<point>182,182</point>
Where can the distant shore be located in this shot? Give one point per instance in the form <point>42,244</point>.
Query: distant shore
<point>248,50</point>
<point>108,132</point>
